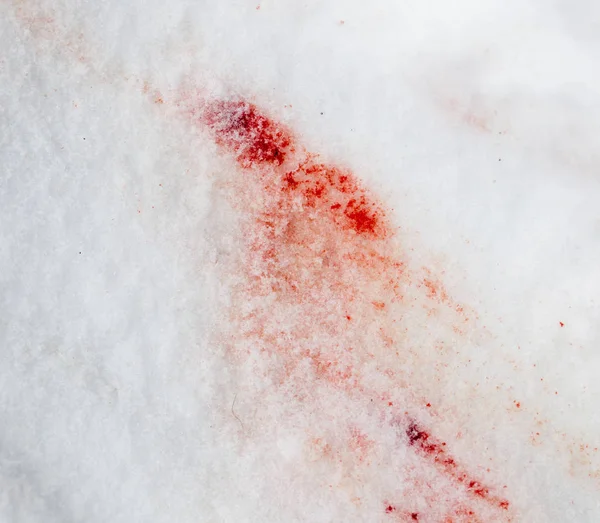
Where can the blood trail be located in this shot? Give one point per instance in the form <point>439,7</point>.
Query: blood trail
<point>326,297</point>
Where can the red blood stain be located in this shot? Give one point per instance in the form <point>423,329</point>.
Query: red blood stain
<point>437,452</point>
<point>255,140</point>
<point>320,185</point>
<point>319,252</point>
<point>248,134</point>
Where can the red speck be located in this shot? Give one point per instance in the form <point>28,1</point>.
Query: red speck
<point>389,509</point>
<point>414,516</point>
<point>561,324</point>
<point>517,404</point>
<point>428,405</point>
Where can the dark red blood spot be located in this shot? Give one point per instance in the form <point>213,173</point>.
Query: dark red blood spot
<point>415,435</point>
<point>252,137</point>
<point>561,324</point>
<point>414,516</point>
<point>363,218</point>
<point>389,509</point>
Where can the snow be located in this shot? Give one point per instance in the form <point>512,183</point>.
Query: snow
<point>146,374</point>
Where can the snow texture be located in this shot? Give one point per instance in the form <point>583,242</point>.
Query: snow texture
<point>299,261</point>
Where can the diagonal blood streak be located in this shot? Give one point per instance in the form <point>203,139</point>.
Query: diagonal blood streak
<point>320,247</point>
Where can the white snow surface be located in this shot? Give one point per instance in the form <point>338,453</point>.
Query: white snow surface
<point>478,125</point>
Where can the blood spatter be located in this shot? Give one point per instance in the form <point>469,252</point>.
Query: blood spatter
<point>256,141</point>
<point>437,452</point>
<point>337,192</point>
<point>325,293</point>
